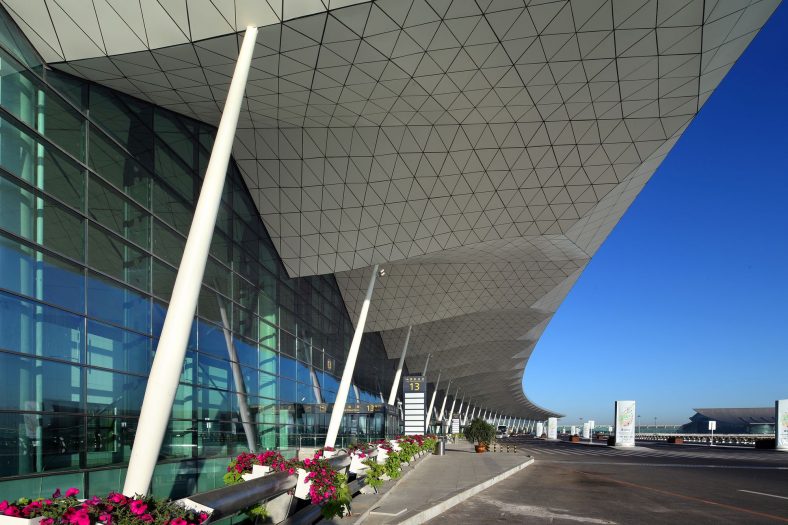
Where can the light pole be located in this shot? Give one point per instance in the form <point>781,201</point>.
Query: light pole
<point>638,423</point>
<point>655,425</point>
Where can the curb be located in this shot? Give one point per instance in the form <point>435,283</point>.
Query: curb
<point>443,506</point>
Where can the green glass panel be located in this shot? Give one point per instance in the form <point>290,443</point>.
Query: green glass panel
<point>112,210</point>
<point>31,443</point>
<point>40,219</point>
<point>117,167</point>
<point>40,165</point>
<point>117,258</point>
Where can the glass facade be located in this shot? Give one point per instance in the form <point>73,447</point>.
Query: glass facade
<point>97,191</point>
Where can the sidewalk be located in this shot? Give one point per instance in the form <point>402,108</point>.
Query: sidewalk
<point>440,482</point>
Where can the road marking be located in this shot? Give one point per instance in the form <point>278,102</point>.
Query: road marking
<point>676,465</point>
<point>763,494</point>
<point>684,496</point>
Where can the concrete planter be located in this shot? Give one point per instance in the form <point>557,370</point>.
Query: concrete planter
<point>10,520</point>
<point>357,465</point>
<point>258,471</point>
<point>302,485</point>
<point>676,440</point>
<point>574,439</point>
<point>330,453</point>
<point>383,455</point>
<point>395,446</point>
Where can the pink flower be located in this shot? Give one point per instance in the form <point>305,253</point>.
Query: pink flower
<point>138,507</point>
<point>56,494</point>
<point>47,521</point>
<point>12,511</point>
<point>179,521</point>
<point>3,505</point>
<point>147,518</point>
<point>72,492</point>
<point>203,516</point>
<point>120,499</point>
<point>105,518</point>
<point>291,470</point>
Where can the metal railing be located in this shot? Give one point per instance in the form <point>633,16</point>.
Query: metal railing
<point>228,501</point>
<point>717,439</point>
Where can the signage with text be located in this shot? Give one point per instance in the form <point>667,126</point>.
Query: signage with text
<point>625,424</point>
<point>414,390</point>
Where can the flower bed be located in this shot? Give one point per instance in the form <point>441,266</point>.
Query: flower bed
<point>327,487</point>
<point>113,509</point>
<point>391,464</point>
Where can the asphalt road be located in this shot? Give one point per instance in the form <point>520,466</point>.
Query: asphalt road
<point>650,484</point>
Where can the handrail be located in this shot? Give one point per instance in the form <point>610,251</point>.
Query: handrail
<point>226,501</point>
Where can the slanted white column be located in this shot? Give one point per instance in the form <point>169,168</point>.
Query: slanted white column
<point>459,410</point>
<point>398,373</point>
<point>426,363</point>
<point>347,374</point>
<point>171,350</point>
<point>450,415</point>
<point>443,405</point>
<point>238,380</point>
<point>432,404</point>
<point>467,411</point>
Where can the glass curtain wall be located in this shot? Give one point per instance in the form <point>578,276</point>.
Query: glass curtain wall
<point>97,191</point>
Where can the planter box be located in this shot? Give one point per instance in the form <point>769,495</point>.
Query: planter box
<point>383,455</point>
<point>574,439</point>
<point>330,453</point>
<point>395,445</point>
<point>258,471</point>
<point>676,440</point>
<point>356,464</point>
<point>302,485</point>
<point>10,520</point>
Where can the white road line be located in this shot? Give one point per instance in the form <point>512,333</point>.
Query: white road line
<point>763,494</point>
<point>669,465</point>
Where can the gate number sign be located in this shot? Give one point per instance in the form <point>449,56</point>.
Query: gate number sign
<point>415,393</point>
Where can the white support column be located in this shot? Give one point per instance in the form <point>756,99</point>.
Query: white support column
<point>398,373</point>
<point>459,410</point>
<point>432,404</point>
<point>238,380</point>
<point>450,415</point>
<point>166,369</point>
<point>347,374</point>
<point>443,405</point>
<point>467,411</point>
<point>426,363</point>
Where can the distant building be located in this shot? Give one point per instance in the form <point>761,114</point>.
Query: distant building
<point>732,420</point>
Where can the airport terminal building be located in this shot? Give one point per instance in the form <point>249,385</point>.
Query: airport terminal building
<point>478,153</point>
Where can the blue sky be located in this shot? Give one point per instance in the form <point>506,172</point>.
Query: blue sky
<point>686,303</point>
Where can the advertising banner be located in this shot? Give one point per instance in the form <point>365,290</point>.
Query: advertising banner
<point>539,429</point>
<point>625,424</point>
<point>781,424</point>
<point>552,428</point>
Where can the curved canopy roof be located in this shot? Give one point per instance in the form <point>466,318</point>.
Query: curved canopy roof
<point>481,150</point>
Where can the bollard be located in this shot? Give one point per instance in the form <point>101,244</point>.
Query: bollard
<point>507,449</point>
<point>515,449</point>
<point>495,447</point>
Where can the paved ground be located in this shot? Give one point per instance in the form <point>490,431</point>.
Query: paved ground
<point>430,486</point>
<point>650,484</point>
